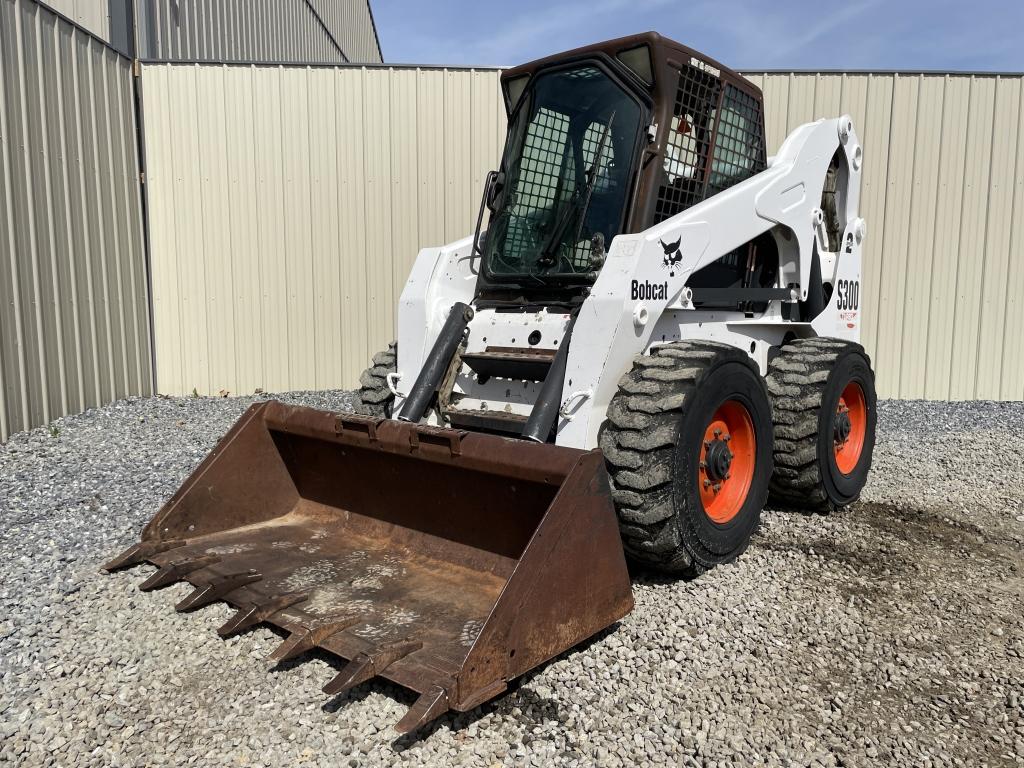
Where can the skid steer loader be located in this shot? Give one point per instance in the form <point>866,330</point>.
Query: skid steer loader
<point>653,327</point>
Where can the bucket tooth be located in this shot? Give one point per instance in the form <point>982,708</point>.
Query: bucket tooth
<point>217,588</point>
<point>369,664</point>
<point>305,640</point>
<point>247,617</point>
<point>176,571</point>
<point>140,552</point>
<point>429,706</point>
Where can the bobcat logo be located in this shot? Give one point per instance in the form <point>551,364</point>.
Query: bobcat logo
<point>672,255</point>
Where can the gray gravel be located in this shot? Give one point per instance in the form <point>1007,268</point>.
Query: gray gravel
<point>890,633</point>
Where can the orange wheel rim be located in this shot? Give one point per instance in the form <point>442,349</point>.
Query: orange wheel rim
<point>850,427</point>
<point>727,459</point>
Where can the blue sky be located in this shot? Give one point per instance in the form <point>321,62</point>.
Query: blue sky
<point>788,34</point>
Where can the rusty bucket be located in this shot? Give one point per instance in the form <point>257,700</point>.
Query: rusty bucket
<point>447,562</point>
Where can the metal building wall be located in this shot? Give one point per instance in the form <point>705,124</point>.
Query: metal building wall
<point>109,20</point>
<point>286,205</point>
<point>74,321</point>
<point>93,15</point>
<point>351,24</point>
<point>314,31</point>
<point>943,196</point>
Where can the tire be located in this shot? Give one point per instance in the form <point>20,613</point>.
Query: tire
<point>811,381</point>
<point>375,396</point>
<point>658,445</point>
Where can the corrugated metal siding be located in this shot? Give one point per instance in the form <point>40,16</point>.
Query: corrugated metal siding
<point>943,196</point>
<point>308,31</point>
<point>74,324</point>
<point>90,14</point>
<point>351,24</point>
<point>287,205</point>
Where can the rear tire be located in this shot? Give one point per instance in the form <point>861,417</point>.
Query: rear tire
<point>825,411</point>
<point>665,459</point>
<point>375,396</point>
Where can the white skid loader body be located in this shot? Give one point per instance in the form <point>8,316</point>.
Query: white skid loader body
<point>640,298</point>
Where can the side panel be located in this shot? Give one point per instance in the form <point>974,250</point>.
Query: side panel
<point>640,281</point>
<point>439,278</point>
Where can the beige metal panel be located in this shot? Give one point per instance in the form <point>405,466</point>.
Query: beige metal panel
<point>353,244</point>
<point>380,257</point>
<point>247,342</point>
<point>288,204</point>
<point>949,199</point>
<point>323,206</point>
<point>269,206</point>
<point>776,109</point>
<point>166,302</point>
<point>431,160</point>
<point>996,256</point>
<point>920,248</point>
<point>876,135</point>
<point>405,242</point>
<point>973,228</point>
<point>891,277</point>
<point>800,103</point>
<point>410,147</point>
<point>74,330</point>
<point>1012,373</point>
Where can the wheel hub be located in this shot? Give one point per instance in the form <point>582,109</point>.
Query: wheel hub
<point>718,460</point>
<point>843,426</point>
<point>727,461</point>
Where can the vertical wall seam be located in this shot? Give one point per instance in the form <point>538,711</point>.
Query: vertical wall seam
<point>312,234</point>
<point>132,188</point>
<point>230,234</point>
<point>6,418</point>
<point>885,207</point>
<point>69,229</point>
<point>33,242</point>
<point>959,240</point>
<point>984,242</point>
<point>48,163</point>
<point>115,229</point>
<point>1013,230</point>
<point>84,98</point>
<point>101,235</point>
<point>939,176</point>
<point>910,217</point>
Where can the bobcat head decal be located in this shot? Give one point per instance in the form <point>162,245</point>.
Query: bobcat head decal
<point>672,255</point>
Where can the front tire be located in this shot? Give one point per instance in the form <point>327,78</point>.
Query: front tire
<point>825,411</point>
<point>688,444</point>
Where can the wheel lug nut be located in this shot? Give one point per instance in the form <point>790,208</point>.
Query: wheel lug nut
<point>727,438</point>
<point>718,433</point>
<point>707,483</point>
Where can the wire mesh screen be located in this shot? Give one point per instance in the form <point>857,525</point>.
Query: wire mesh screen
<point>739,141</point>
<point>689,143</point>
<point>691,173</point>
<point>537,188</point>
<point>581,254</point>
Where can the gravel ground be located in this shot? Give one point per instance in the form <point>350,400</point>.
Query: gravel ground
<point>890,633</point>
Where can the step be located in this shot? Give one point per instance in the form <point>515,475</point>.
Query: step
<point>528,364</point>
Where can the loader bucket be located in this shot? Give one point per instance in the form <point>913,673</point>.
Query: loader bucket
<point>447,562</point>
